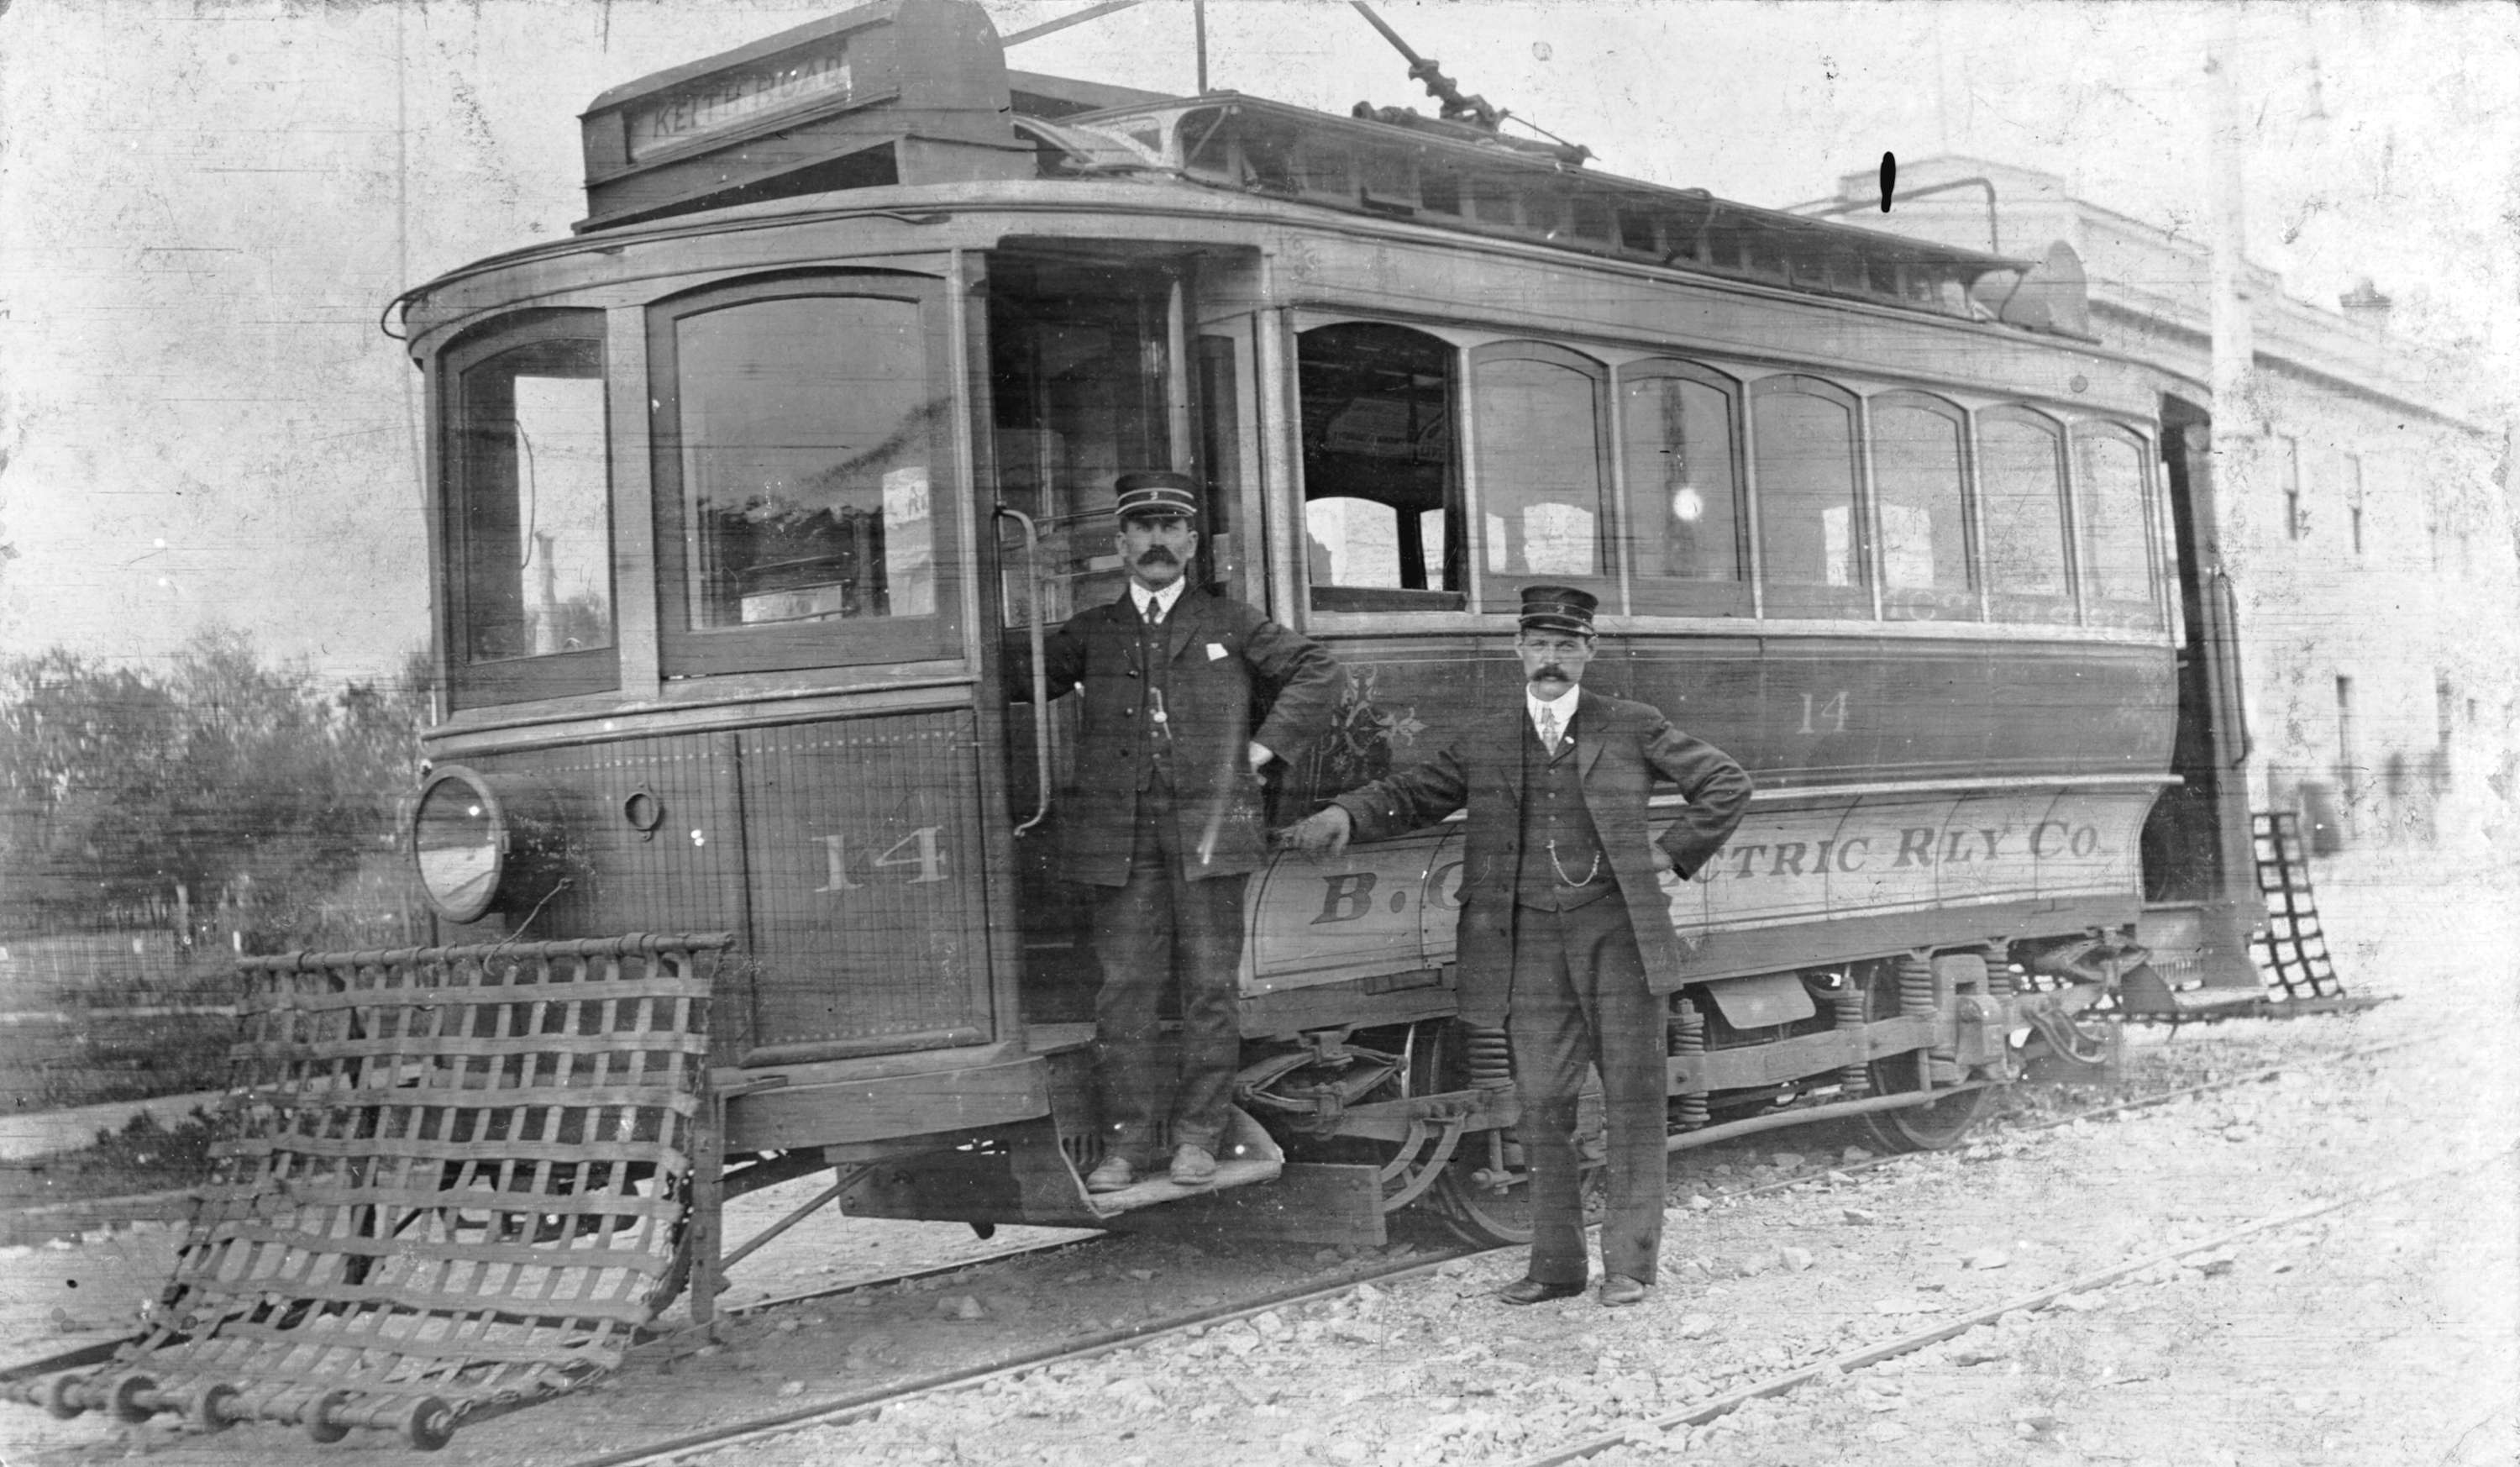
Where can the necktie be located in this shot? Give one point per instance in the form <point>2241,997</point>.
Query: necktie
<point>1154,612</point>
<point>1548,734</point>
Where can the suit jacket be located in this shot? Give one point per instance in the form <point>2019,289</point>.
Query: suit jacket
<point>1620,749</point>
<point>1219,652</point>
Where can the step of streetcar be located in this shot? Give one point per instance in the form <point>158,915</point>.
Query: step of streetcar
<point>1246,1155</point>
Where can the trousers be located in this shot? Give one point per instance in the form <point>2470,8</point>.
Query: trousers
<point>1579,1000</point>
<point>1160,932</point>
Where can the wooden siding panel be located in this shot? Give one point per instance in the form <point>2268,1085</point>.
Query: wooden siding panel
<point>864,841</point>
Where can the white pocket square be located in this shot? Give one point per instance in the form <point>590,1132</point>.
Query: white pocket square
<point>1215,650</point>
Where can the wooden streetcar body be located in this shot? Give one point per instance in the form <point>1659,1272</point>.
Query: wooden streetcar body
<point>1958,777</point>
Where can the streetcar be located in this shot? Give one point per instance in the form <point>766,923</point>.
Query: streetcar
<point>746,501</point>
<point>743,497</point>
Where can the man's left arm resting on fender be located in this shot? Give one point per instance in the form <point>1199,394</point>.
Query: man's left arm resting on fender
<point>1716,791</point>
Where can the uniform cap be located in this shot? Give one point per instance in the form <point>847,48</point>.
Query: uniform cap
<point>1155,492</point>
<point>1558,609</point>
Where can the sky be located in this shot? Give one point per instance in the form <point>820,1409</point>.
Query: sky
<point>206,205</point>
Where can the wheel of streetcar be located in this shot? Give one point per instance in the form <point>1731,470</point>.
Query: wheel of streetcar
<point>1938,1127</point>
<point>1484,1196</point>
<point>1928,1128</point>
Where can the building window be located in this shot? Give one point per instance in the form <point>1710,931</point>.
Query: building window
<point>2353,474</point>
<point>1920,488</point>
<point>1680,454</point>
<point>2348,763</point>
<point>2295,526</point>
<point>1814,558</point>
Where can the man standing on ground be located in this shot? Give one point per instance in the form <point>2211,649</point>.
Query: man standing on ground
<point>1166,818</point>
<point>1562,917</point>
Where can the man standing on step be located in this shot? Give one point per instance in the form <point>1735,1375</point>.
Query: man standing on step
<point>1166,818</point>
<point>1562,916</point>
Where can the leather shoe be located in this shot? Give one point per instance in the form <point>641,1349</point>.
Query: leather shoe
<point>1619,1290</point>
<point>1536,1291</point>
<point>1193,1166</point>
<point>1116,1175</point>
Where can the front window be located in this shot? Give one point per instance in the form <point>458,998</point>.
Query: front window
<point>529,528</point>
<point>801,438</point>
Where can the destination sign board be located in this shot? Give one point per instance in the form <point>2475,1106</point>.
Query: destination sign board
<point>738,96</point>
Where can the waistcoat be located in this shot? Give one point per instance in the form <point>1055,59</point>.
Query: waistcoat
<point>1555,878</point>
<point>1154,755</point>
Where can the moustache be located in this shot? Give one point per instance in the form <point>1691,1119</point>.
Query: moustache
<point>1157,555</point>
<point>1551,674</point>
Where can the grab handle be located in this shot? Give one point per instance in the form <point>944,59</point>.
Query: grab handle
<point>1040,669</point>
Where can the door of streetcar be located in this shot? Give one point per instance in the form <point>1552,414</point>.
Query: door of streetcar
<point>1093,371</point>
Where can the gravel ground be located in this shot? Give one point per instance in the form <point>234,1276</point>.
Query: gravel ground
<point>2381,1332</point>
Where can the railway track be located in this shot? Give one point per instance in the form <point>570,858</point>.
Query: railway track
<point>861,1405</point>
<point>1648,1430</point>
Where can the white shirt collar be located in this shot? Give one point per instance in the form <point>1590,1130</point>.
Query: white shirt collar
<point>1164,599</point>
<point>1563,706</point>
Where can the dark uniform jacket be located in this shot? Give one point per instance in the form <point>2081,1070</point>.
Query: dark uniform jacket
<point>1218,652</point>
<point>1620,747</point>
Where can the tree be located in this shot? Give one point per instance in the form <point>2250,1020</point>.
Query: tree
<point>224,775</point>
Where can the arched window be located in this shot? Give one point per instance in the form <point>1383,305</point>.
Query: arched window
<point>2021,476</point>
<point>1919,493</point>
<point>1543,476</point>
<point>2113,494</point>
<point>1813,560</point>
<point>529,506</point>
<point>1679,452</point>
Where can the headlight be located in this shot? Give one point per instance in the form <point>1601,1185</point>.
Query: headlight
<point>459,841</point>
<point>474,852</point>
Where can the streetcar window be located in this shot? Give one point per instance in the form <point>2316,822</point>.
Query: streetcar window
<point>2021,476</point>
<point>1381,480</point>
<point>799,438</point>
<point>804,468</point>
<point>2112,495</point>
<point>1683,487</point>
<point>1919,489</point>
<point>1811,536</point>
<point>529,511</point>
<point>1542,476</point>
